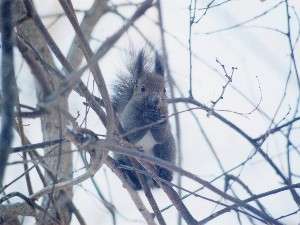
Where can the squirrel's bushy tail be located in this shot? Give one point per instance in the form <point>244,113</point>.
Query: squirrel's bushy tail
<point>123,89</point>
<point>123,86</point>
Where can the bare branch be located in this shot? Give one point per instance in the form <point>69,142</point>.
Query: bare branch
<point>8,85</point>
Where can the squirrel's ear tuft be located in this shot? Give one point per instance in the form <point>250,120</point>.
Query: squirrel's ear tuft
<point>139,65</point>
<point>159,68</point>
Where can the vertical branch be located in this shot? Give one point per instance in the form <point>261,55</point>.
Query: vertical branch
<point>294,63</point>
<point>8,88</point>
<point>171,87</point>
<point>192,13</point>
<point>288,16</point>
<point>89,21</point>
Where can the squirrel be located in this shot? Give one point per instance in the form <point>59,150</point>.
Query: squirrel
<point>139,99</point>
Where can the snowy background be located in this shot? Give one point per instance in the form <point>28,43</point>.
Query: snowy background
<point>262,58</point>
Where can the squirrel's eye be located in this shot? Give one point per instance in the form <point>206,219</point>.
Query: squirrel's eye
<point>143,89</point>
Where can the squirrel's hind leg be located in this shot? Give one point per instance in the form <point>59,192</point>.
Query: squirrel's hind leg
<point>164,151</point>
<point>130,175</point>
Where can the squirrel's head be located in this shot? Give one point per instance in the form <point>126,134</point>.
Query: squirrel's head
<point>149,93</point>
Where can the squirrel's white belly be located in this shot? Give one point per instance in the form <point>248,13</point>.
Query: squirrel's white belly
<point>147,143</point>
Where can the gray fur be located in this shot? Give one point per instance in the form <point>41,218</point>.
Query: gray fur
<point>140,100</point>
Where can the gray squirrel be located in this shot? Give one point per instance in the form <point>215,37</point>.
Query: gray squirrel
<point>139,99</point>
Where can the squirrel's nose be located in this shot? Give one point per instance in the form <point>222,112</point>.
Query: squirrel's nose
<point>153,101</point>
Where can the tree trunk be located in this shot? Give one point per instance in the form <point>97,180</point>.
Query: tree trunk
<point>53,126</point>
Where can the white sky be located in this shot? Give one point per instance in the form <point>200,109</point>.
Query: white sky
<point>262,60</point>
